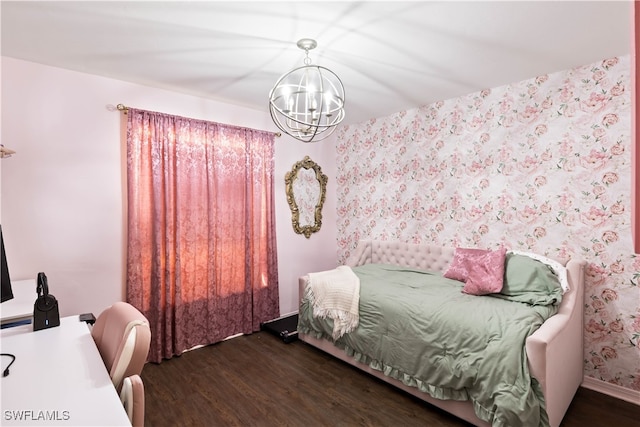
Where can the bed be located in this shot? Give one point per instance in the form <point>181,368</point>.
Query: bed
<point>551,351</point>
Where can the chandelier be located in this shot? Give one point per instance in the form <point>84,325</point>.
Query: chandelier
<point>307,102</point>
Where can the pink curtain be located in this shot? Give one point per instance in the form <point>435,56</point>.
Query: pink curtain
<point>201,245</point>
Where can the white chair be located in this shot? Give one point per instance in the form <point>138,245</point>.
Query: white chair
<point>132,397</point>
<point>123,336</point>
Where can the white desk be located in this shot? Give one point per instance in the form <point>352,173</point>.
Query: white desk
<point>58,378</point>
<point>21,306</point>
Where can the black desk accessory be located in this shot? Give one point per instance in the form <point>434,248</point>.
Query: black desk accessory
<point>45,310</point>
<point>5,373</point>
<point>88,318</point>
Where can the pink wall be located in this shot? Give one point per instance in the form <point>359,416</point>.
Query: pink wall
<point>635,148</point>
<point>62,193</point>
<point>541,165</point>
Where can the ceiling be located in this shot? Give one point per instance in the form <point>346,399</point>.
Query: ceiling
<point>391,56</point>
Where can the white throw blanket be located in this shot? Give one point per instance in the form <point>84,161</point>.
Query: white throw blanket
<point>336,294</point>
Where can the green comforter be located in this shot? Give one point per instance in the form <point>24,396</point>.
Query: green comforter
<point>419,328</point>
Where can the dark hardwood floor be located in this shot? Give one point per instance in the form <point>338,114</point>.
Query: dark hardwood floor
<point>257,380</point>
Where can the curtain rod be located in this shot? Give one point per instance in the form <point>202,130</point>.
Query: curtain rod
<point>125,109</point>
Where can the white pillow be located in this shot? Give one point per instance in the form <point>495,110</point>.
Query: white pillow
<point>559,269</point>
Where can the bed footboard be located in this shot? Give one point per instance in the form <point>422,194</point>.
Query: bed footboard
<point>555,350</point>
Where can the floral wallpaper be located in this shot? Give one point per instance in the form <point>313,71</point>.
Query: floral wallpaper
<point>306,190</point>
<point>542,165</point>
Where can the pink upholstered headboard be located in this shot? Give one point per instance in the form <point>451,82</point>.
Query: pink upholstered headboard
<point>424,257</point>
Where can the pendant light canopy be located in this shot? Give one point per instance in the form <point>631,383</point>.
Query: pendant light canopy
<point>307,102</point>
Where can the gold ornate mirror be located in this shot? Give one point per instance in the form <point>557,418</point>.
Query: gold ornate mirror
<point>306,188</point>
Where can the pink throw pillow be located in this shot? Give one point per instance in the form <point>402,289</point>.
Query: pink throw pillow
<point>482,271</point>
<point>486,274</point>
<point>458,269</point>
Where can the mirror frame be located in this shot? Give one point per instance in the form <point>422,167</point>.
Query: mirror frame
<point>289,179</point>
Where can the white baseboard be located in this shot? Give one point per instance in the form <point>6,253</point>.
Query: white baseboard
<point>288,314</point>
<point>626,394</point>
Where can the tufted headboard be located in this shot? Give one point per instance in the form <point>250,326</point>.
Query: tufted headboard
<point>424,257</point>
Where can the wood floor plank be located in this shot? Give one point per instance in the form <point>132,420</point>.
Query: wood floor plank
<point>257,380</point>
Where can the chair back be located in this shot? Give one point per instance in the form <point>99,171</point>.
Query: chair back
<point>132,397</point>
<point>122,336</point>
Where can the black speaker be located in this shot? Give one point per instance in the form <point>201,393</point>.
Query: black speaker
<point>45,310</point>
